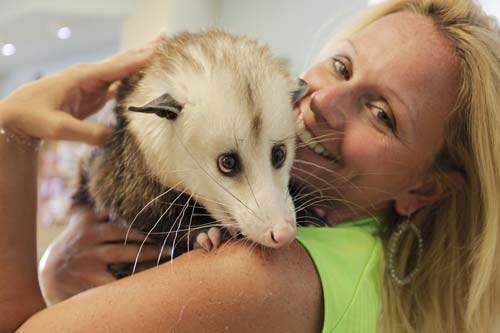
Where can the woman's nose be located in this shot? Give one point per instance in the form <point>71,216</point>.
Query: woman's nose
<point>327,103</point>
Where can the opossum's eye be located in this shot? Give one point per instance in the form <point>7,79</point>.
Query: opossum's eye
<point>229,164</point>
<point>278,156</point>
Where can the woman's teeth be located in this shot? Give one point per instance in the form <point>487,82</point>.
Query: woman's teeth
<point>311,142</point>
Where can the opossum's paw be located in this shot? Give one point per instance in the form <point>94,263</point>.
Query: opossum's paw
<point>209,240</point>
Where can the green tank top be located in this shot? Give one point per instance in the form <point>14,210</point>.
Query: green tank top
<point>347,259</point>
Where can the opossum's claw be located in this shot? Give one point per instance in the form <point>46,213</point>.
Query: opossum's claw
<point>210,240</point>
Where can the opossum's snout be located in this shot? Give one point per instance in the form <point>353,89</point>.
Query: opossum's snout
<point>268,218</point>
<point>274,226</point>
<point>282,233</point>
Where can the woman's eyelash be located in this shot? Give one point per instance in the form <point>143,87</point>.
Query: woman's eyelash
<point>383,116</point>
<point>340,67</point>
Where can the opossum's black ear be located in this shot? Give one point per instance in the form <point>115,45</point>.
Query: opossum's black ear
<point>164,106</point>
<point>300,91</point>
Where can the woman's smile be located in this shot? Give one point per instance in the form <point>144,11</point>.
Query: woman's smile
<point>319,141</point>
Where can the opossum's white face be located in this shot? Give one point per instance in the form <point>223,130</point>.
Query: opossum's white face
<point>231,145</point>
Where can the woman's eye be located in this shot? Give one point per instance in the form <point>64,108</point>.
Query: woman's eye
<point>341,68</point>
<point>229,164</point>
<point>278,156</point>
<point>383,117</point>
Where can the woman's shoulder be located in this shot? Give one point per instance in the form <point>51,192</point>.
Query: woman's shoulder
<point>239,287</point>
<point>347,259</point>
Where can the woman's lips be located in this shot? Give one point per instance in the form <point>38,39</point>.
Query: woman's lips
<point>310,141</point>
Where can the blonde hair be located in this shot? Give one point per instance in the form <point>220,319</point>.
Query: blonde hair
<point>457,289</point>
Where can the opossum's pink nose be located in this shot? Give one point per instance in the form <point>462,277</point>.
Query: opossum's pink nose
<point>282,234</point>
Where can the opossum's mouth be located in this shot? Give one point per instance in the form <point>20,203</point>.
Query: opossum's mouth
<point>310,140</point>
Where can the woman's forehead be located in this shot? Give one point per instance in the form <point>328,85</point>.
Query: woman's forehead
<point>406,53</point>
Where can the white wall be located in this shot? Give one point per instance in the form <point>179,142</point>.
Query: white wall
<point>294,29</point>
<point>26,73</point>
<point>492,7</point>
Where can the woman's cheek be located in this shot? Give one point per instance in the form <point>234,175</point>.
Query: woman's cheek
<point>361,149</point>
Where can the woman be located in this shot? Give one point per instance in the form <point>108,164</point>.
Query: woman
<point>405,108</point>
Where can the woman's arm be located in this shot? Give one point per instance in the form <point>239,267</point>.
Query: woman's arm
<point>238,288</point>
<point>78,259</point>
<point>50,108</point>
<point>19,292</point>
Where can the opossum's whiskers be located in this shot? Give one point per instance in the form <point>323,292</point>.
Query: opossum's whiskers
<point>346,203</point>
<point>211,200</point>
<point>319,139</point>
<point>313,176</point>
<point>251,189</point>
<point>233,240</point>
<point>362,187</point>
<point>215,180</point>
<point>245,175</point>
<point>333,172</point>
<point>179,218</point>
<point>309,218</point>
<point>189,225</point>
<point>177,231</point>
<point>322,197</point>
<point>317,190</point>
<point>146,206</point>
<point>315,200</point>
<point>323,139</point>
<point>149,233</point>
<point>204,226</point>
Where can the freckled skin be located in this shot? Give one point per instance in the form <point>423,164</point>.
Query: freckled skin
<point>405,53</point>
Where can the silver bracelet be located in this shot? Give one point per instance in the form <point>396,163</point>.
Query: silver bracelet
<point>22,140</point>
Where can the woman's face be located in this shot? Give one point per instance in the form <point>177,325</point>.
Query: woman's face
<point>377,106</point>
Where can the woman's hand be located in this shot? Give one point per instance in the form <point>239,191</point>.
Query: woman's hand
<point>79,258</point>
<point>53,107</point>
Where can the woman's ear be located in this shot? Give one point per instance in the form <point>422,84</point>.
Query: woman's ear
<point>428,192</point>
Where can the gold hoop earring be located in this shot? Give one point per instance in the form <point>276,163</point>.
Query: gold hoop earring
<point>394,241</point>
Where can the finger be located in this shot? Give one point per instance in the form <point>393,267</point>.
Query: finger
<point>101,279</point>
<point>112,90</point>
<point>122,65</point>
<point>68,128</point>
<point>114,253</point>
<point>83,214</point>
<point>110,232</point>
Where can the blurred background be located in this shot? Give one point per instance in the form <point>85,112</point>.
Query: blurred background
<point>38,37</point>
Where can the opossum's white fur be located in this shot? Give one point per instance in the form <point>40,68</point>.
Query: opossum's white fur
<point>215,120</point>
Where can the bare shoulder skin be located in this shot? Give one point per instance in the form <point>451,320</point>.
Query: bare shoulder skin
<point>237,288</point>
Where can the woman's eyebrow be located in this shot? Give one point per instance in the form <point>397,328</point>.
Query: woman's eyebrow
<point>410,111</point>
<point>350,42</point>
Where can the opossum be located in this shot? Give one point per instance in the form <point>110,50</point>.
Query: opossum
<point>208,125</point>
